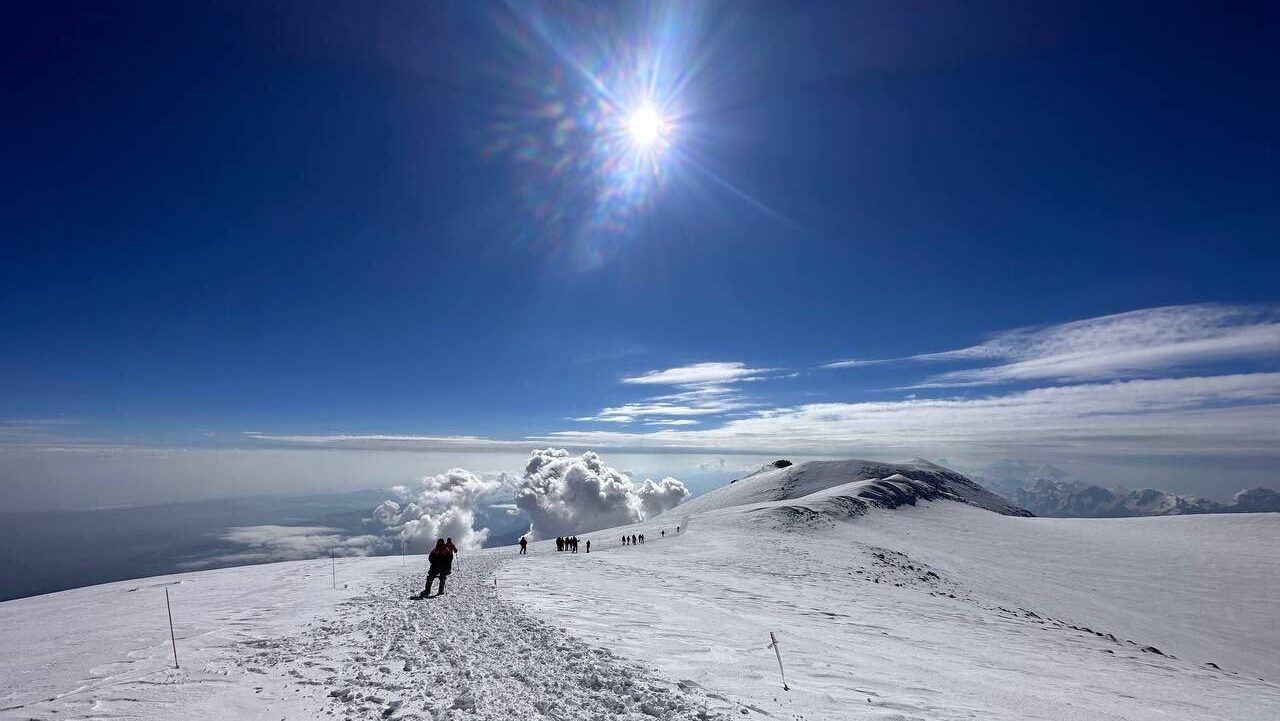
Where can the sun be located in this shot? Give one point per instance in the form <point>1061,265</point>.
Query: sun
<point>646,126</point>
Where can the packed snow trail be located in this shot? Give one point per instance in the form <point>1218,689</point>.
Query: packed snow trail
<point>466,654</point>
<point>277,642</point>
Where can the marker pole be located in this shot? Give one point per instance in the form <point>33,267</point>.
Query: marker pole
<point>172,639</point>
<point>778,653</point>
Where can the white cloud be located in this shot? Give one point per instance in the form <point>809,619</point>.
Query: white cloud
<point>291,543</point>
<point>1134,344</point>
<point>661,410</point>
<point>441,506</point>
<point>697,373</point>
<point>702,389</point>
<point>673,422</point>
<point>565,494</point>
<point>385,442</point>
<point>1196,415</point>
<point>856,363</point>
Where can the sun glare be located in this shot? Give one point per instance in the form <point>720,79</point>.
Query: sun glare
<point>646,126</point>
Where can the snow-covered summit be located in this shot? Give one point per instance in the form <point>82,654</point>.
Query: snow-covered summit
<point>850,487</point>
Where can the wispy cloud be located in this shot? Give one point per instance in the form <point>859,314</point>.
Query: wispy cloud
<point>1237,413</point>
<point>1142,343</point>
<point>698,390</point>
<point>858,362</point>
<point>384,442</point>
<point>714,372</point>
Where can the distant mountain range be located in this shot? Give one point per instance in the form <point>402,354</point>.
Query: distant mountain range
<point>1048,491</point>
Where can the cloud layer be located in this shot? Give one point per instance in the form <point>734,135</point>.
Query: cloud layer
<point>1196,415</point>
<point>1125,345</point>
<point>566,494</point>
<point>265,544</point>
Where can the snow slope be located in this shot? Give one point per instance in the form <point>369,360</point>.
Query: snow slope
<point>884,485</point>
<point>885,606</point>
<point>277,642</point>
<point>938,611</point>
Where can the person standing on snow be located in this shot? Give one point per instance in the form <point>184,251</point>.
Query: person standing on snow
<point>588,545</point>
<point>441,560</point>
<point>524,546</point>
<point>448,543</point>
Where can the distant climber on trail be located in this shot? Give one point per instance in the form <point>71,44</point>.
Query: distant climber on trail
<point>588,545</point>
<point>448,543</point>
<point>441,559</point>
<point>624,539</point>
<point>633,539</point>
<point>524,546</point>
<point>664,533</point>
<point>641,539</point>
<point>559,543</point>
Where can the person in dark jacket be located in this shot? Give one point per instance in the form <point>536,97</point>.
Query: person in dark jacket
<point>441,560</point>
<point>524,545</point>
<point>588,545</point>
<point>448,543</point>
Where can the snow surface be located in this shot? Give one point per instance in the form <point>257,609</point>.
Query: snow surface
<point>885,606</point>
<point>885,485</point>
<point>940,611</point>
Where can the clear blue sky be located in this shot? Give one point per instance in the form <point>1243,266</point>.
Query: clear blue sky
<point>255,228</point>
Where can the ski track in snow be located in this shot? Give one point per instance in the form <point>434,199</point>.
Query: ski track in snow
<point>466,654</point>
<point>274,643</point>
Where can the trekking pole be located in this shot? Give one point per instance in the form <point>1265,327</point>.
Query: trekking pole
<point>778,653</point>
<point>172,640</point>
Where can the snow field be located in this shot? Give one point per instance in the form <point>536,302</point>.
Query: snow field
<point>935,612</point>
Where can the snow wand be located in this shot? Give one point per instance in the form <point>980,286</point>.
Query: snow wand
<point>172,640</point>
<point>778,653</point>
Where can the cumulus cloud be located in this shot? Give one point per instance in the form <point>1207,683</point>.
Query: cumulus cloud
<point>1133,344</point>
<point>440,506</point>
<point>564,494</point>
<point>263,544</point>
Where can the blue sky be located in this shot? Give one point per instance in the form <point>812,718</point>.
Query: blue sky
<point>252,231</point>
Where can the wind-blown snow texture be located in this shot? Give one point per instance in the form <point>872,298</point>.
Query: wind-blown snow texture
<point>881,485</point>
<point>885,605</point>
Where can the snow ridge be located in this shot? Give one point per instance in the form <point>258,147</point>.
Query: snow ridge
<point>849,488</point>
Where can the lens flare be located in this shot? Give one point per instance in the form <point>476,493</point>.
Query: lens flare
<point>595,118</point>
<point>646,126</point>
